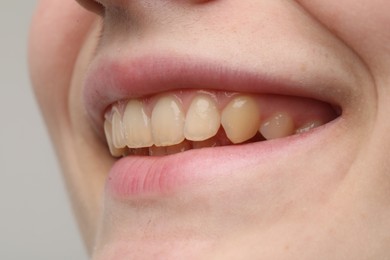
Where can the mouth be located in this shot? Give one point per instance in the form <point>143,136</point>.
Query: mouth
<point>174,120</point>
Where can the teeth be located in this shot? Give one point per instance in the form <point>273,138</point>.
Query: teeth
<point>203,119</point>
<point>279,125</point>
<point>118,136</point>
<point>113,150</point>
<point>241,119</point>
<point>169,130</point>
<point>308,126</point>
<point>167,122</point>
<point>137,125</point>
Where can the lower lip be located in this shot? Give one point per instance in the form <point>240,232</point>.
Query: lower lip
<point>136,177</point>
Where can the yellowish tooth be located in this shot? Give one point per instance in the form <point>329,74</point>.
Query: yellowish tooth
<point>138,130</point>
<point>118,135</point>
<point>203,119</point>
<point>308,126</point>
<point>277,126</point>
<point>241,119</point>
<point>167,121</point>
<point>113,150</point>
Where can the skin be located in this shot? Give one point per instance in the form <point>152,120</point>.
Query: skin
<point>339,210</point>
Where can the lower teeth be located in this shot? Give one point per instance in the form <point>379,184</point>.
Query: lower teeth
<point>219,140</point>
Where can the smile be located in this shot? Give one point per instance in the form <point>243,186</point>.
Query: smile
<point>178,123</point>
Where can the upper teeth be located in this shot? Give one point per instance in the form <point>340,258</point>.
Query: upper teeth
<point>202,120</point>
<point>167,121</point>
<point>137,126</point>
<point>280,124</point>
<point>171,119</point>
<point>241,119</point>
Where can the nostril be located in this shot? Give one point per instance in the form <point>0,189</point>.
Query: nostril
<point>92,6</point>
<point>201,1</point>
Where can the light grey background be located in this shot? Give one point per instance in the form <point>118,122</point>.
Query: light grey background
<point>35,217</point>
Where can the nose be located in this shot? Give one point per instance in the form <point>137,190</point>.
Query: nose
<point>146,13</point>
<point>91,5</point>
<point>148,2</point>
<point>94,5</point>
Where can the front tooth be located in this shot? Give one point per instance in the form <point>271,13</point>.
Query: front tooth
<point>203,119</point>
<point>241,119</point>
<point>277,126</point>
<point>108,131</point>
<point>118,135</point>
<point>138,130</point>
<point>167,122</point>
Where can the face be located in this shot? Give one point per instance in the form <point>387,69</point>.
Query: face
<point>220,129</point>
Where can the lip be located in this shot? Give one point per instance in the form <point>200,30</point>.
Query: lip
<point>111,80</point>
<point>137,177</point>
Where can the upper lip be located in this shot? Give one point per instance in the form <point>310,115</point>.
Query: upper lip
<point>111,80</point>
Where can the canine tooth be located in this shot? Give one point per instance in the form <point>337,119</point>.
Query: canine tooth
<point>167,122</point>
<point>113,150</point>
<point>277,126</point>
<point>118,135</point>
<point>136,123</point>
<point>203,119</point>
<point>308,126</point>
<point>241,119</point>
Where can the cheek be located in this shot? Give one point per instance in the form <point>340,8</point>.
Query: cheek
<point>57,33</point>
<point>362,24</point>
